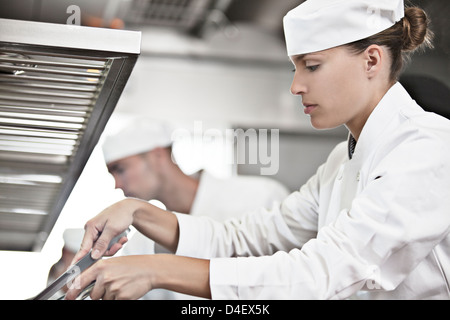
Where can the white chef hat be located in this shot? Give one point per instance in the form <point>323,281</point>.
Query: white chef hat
<point>141,135</point>
<point>72,239</point>
<point>317,25</point>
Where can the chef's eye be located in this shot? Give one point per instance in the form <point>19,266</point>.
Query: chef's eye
<point>117,170</point>
<point>312,68</point>
<point>293,70</point>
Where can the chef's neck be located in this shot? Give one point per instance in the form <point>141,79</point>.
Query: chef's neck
<point>356,124</point>
<point>179,191</point>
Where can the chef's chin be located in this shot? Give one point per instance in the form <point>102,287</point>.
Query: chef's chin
<point>321,124</point>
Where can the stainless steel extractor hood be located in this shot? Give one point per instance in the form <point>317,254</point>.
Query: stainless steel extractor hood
<point>58,87</point>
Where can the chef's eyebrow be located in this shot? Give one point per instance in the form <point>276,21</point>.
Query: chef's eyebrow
<point>300,57</point>
<point>297,57</point>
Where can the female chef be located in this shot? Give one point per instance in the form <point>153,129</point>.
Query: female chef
<point>373,222</point>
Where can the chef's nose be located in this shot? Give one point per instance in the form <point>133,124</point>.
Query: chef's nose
<point>118,183</point>
<point>298,87</point>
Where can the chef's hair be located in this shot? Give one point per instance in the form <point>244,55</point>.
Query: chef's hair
<point>409,34</point>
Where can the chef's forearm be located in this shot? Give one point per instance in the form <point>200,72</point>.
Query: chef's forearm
<point>159,225</point>
<point>181,274</point>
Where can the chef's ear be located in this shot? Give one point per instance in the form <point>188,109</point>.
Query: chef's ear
<point>160,156</point>
<point>160,152</point>
<point>375,58</point>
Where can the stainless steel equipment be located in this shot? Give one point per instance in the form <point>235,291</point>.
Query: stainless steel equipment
<point>58,87</point>
<point>65,280</point>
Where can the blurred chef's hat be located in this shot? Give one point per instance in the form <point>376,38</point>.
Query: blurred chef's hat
<point>317,25</point>
<point>140,135</point>
<point>72,239</point>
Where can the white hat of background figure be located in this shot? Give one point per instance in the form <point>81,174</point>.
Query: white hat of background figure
<point>137,137</point>
<point>316,25</point>
<point>72,239</point>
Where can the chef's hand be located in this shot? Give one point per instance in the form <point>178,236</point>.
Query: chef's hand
<point>100,230</point>
<point>157,224</point>
<point>121,278</point>
<point>130,277</point>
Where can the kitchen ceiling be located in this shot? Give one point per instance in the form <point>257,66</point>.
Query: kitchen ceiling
<point>193,17</point>
<point>186,15</point>
<point>222,30</point>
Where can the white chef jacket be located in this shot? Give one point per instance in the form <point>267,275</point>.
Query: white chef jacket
<point>373,226</point>
<point>219,199</point>
<point>222,199</point>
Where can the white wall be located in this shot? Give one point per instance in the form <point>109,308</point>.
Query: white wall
<point>212,91</point>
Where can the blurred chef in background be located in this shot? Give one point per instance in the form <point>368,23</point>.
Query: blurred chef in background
<point>140,159</point>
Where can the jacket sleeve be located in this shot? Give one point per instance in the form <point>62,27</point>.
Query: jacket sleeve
<point>285,226</point>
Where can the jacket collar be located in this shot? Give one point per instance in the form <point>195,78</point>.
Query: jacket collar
<point>377,123</point>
